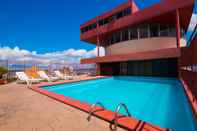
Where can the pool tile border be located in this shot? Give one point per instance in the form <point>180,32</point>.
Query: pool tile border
<point>128,123</point>
<point>191,100</point>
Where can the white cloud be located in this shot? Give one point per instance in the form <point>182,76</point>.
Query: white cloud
<point>70,55</point>
<point>193,22</point>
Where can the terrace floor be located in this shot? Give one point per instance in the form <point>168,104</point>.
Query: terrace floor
<point>22,109</point>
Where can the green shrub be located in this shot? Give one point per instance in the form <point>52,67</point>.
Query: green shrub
<point>3,71</point>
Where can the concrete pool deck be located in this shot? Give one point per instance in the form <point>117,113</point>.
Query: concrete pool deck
<point>22,109</point>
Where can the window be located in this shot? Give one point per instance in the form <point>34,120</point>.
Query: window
<point>119,15</point>
<point>125,35</point>
<point>111,18</point>
<point>117,37</point>
<point>111,40</point>
<point>82,30</point>
<point>164,30</point>
<point>143,31</point>
<point>88,28</point>
<point>127,11</point>
<point>154,30</point>
<point>133,33</point>
<point>105,21</point>
<point>94,25</point>
<point>101,22</point>
<point>172,31</point>
<point>116,16</point>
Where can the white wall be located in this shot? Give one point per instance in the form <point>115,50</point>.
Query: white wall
<point>141,45</point>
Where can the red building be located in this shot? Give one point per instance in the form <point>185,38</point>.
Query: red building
<point>139,42</point>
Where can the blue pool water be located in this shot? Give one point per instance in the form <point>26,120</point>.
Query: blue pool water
<point>159,101</point>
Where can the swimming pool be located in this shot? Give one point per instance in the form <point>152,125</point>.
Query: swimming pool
<point>159,101</point>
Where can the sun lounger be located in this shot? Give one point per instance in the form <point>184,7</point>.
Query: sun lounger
<point>23,78</point>
<point>44,76</point>
<point>61,76</point>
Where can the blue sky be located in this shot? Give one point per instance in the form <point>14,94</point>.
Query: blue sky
<point>50,25</point>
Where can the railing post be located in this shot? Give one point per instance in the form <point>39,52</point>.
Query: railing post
<point>98,46</point>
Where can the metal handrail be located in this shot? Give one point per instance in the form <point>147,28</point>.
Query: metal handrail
<point>91,111</point>
<point>116,117</point>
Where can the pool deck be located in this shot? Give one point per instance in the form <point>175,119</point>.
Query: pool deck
<point>22,109</point>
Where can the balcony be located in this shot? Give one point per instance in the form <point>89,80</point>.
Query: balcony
<point>163,13</point>
<point>148,55</point>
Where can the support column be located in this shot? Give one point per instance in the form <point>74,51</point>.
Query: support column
<point>98,46</point>
<point>98,68</point>
<point>178,40</point>
<point>98,39</point>
<point>178,31</point>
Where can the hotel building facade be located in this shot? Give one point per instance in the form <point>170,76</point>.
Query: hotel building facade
<point>139,42</point>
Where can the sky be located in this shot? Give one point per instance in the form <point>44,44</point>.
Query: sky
<point>46,27</point>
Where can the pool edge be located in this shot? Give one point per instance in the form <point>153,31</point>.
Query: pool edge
<point>128,123</point>
<point>189,95</point>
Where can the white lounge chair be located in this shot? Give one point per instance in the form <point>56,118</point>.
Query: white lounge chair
<point>61,76</point>
<point>44,76</point>
<point>23,78</point>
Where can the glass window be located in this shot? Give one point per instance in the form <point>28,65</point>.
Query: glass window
<point>94,25</point>
<point>172,31</point>
<point>125,35</point>
<point>154,30</point>
<point>111,18</point>
<point>119,15</point>
<point>127,11</point>
<point>113,39</point>
<point>164,30</point>
<point>101,22</point>
<point>115,16</point>
<point>90,27</point>
<point>85,29</point>
<point>133,33</point>
<point>117,37</point>
<point>143,31</point>
<point>82,30</point>
<point>105,21</point>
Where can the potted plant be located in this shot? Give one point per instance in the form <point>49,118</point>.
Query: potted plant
<point>3,72</point>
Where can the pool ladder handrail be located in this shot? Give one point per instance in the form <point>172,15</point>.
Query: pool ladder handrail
<point>116,117</point>
<point>91,111</point>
